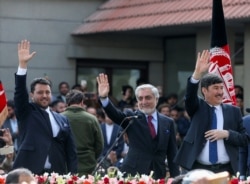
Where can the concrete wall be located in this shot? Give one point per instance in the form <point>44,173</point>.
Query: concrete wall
<point>136,48</point>
<point>48,25</point>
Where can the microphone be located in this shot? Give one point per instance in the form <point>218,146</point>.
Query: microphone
<point>120,134</point>
<point>134,117</point>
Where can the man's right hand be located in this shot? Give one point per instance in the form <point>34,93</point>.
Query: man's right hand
<point>24,54</point>
<point>202,64</point>
<point>103,85</point>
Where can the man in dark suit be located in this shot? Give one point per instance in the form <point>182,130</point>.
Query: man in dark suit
<point>46,140</point>
<point>63,88</point>
<point>244,153</point>
<point>147,152</point>
<point>111,132</point>
<point>229,135</point>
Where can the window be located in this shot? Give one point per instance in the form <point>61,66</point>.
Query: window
<point>120,72</point>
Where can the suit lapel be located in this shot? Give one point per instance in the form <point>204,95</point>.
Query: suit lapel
<point>226,118</point>
<point>47,120</point>
<point>104,133</point>
<point>161,129</point>
<point>60,123</point>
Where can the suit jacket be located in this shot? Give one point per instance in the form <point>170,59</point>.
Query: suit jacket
<point>118,148</point>
<point>88,137</point>
<point>201,114</point>
<point>244,152</point>
<point>146,154</point>
<point>36,137</point>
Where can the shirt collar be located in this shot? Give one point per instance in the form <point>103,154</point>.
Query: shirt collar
<point>154,115</point>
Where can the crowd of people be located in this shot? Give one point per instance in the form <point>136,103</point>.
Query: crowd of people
<point>144,131</point>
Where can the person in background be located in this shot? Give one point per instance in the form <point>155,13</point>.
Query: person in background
<point>12,124</point>
<point>63,88</point>
<point>165,109</point>
<point>46,139</point>
<point>172,100</point>
<point>20,176</point>
<point>240,103</point>
<point>111,132</point>
<point>244,153</point>
<point>77,86</point>
<point>101,115</point>
<point>150,141</point>
<point>127,97</point>
<point>204,146</point>
<point>58,106</point>
<point>202,176</point>
<point>182,123</point>
<point>86,131</point>
<point>162,98</point>
<point>239,90</point>
<point>7,152</point>
<point>92,110</point>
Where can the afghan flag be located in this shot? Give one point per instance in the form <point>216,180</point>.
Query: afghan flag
<point>220,53</point>
<point>3,105</point>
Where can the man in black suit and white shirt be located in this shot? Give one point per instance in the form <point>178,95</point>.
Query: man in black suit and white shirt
<point>46,139</point>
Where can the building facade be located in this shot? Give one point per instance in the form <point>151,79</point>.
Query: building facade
<point>162,55</point>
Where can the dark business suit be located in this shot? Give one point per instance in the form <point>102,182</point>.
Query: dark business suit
<point>118,148</point>
<point>36,137</point>
<point>244,153</point>
<point>146,154</point>
<point>201,113</point>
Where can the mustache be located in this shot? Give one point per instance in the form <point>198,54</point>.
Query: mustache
<point>219,95</point>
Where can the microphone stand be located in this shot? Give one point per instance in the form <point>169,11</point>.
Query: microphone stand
<point>113,145</point>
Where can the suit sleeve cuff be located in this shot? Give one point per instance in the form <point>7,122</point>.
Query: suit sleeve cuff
<point>193,80</point>
<point>104,101</point>
<point>21,71</point>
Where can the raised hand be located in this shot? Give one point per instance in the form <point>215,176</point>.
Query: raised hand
<point>6,137</point>
<point>202,64</point>
<point>24,54</point>
<point>103,85</point>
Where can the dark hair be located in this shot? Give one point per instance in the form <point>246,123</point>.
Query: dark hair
<point>76,86</point>
<point>172,95</point>
<point>210,79</point>
<point>240,96</point>
<point>74,97</point>
<point>100,113</point>
<point>163,105</point>
<point>39,81</point>
<point>239,87</point>
<point>10,103</point>
<point>62,83</point>
<point>125,88</point>
<point>13,176</point>
<point>55,102</point>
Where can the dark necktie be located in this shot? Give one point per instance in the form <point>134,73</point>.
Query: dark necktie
<point>213,157</point>
<point>151,127</point>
